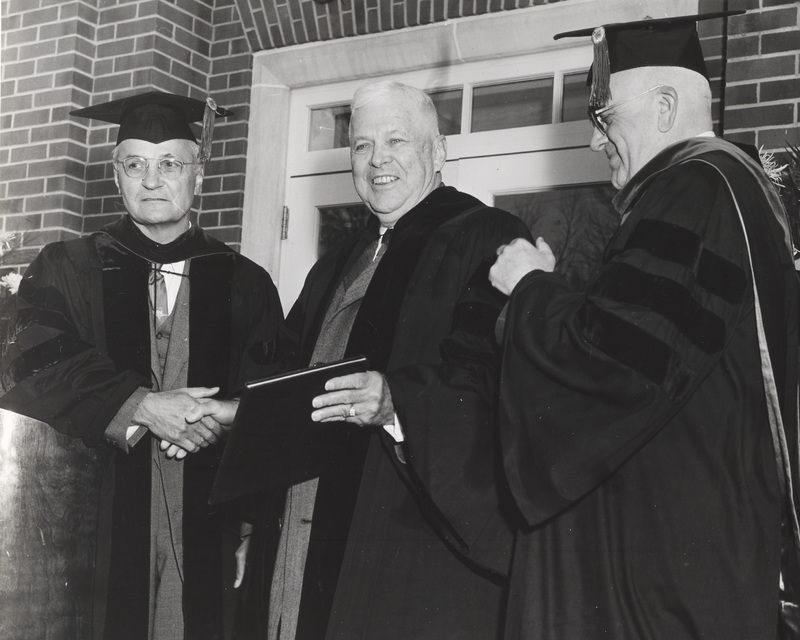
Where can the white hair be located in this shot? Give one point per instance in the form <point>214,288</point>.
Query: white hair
<point>380,90</point>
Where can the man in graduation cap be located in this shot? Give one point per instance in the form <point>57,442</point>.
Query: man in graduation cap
<point>637,439</point>
<point>119,335</point>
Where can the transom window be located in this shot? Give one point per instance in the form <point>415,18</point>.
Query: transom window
<point>492,107</point>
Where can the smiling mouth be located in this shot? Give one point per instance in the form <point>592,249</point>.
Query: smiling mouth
<point>384,180</point>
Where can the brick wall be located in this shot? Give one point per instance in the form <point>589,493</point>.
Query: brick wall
<point>761,101</point>
<point>47,66</point>
<point>272,24</point>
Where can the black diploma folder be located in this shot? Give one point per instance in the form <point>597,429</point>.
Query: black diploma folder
<point>273,441</point>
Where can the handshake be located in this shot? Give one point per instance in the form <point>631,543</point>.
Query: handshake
<point>187,419</point>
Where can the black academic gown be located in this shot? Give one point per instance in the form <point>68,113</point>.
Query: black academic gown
<point>426,321</point>
<point>634,426</point>
<point>82,347</point>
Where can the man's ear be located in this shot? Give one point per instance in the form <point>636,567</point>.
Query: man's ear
<point>116,180</point>
<point>439,153</point>
<point>667,108</point>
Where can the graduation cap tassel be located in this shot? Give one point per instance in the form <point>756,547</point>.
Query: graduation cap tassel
<point>601,71</point>
<point>208,129</point>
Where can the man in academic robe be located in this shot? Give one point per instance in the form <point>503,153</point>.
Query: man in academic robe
<point>118,336</point>
<point>637,435</point>
<point>352,553</point>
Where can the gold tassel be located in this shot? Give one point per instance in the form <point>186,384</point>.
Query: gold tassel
<point>208,129</point>
<point>601,71</point>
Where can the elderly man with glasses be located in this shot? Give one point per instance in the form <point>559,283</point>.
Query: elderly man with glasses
<point>119,336</point>
<point>649,424</point>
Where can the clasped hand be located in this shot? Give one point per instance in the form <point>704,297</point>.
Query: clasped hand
<point>187,419</point>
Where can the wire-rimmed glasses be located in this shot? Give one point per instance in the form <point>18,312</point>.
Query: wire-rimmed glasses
<point>597,115</point>
<point>137,166</point>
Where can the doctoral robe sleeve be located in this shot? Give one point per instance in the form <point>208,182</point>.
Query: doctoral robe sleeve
<point>589,379</point>
<point>447,411</point>
<point>52,370</point>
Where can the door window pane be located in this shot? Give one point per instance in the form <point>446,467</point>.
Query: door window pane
<point>448,107</point>
<point>576,97</point>
<point>577,222</point>
<point>338,223</point>
<point>328,128</point>
<point>514,104</point>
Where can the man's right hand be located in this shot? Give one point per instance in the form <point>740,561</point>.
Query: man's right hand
<point>164,415</point>
<point>518,258</point>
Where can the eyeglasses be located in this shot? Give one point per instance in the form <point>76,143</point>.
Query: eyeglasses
<point>597,115</point>
<point>137,167</point>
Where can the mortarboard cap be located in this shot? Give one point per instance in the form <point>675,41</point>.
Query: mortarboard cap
<point>662,42</point>
<point>157,116</point>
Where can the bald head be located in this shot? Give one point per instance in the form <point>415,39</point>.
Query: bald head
<point>692,111</point>
<point>657,107</point>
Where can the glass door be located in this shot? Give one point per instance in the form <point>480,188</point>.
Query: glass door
<point>322,209</point>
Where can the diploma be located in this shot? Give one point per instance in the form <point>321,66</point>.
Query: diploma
<point>273,441</point>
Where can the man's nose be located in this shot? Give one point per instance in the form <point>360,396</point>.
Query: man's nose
<point>380,155</point>
<point>152,177</point>
<point>599,140</point>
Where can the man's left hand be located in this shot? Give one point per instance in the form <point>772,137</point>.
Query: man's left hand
<point>360,398</point>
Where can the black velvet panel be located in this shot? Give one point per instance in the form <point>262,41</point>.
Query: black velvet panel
<point>51,352</point>
<point>202,542</point>
<point>126,308</point>
<point>128,602</point>
<point>42,317</point>
<point>628,344</point>
<point>210,320</point>
<point>624,284</point>
<point>666,241</point>
<point>673,243</point>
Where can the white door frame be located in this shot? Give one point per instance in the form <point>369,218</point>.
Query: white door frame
<point>276,73</point>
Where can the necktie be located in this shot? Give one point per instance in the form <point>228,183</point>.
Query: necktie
<point>159,302</point>
<point>383,241</point>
